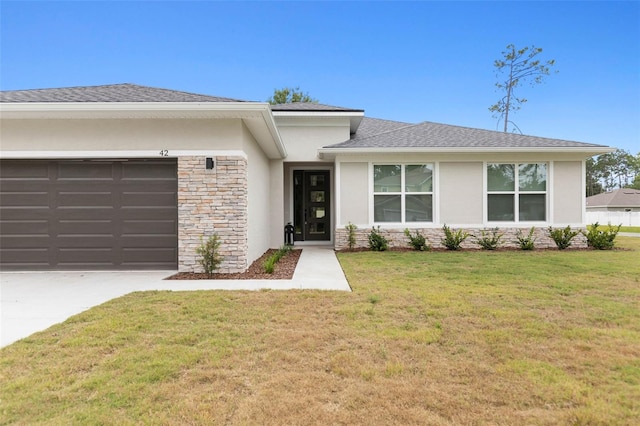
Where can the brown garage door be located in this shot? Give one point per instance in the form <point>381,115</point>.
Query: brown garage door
<point>88,214</point>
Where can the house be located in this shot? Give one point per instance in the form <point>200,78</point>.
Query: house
<point>133,177</point>
<point>620,200</point>
<point>621,206</point>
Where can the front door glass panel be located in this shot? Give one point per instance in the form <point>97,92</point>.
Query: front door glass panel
<point>311,205</point>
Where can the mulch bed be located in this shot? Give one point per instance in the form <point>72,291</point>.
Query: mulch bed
<point>283,271</point>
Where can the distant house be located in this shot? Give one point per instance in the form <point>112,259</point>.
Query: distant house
<point>620,200</point>
<point>132,177</point>
<point>621,206</point>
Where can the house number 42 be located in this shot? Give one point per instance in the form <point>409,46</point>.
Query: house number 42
<point>164,153</point>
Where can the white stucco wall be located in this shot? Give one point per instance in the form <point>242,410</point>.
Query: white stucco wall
<point>354,198</point>
<point>119,134</point>
<point>568,191</point>
<point>259,197</point>
<point>277,207</point>
<point>460,193</point>
<point>303,137</point>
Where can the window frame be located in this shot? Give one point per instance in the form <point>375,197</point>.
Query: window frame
<point>517,192</point>
<point>403,193</point>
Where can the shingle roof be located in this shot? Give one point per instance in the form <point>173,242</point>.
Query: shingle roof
<point>107,93</point>
<point>127,92</point>
<point>374,126</point>
<point>435,135</point>
<point>625,197</point>
<point>311,106</point>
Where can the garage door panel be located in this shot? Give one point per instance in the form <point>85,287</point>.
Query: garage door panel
<point>142,227</point>
<point>85,256</point>
<point>85,227</point>
<point>81,170</point>
<point>143,213</point>
<point>24,227</point>
<point>13,241</point>
<point>132,170</point>
<point>22,213</point>
<point>85,199</point>
<point>85,213</point>
<point>37,170</point>
<point>25,199</point>
<point>68,214</point>
<point>139,241</point>
<point>89,242</point>
<point>135,199</point>
<point>33,257</point>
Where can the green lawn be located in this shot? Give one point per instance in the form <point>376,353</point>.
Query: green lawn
<point>545,337</point>
<point>635,229</point>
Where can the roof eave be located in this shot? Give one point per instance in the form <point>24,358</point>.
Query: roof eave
<point>355,117</point>
<point>330,153</point>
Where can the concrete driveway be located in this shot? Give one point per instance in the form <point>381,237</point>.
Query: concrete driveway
<point>34,301</point>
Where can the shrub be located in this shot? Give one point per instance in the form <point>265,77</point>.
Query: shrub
<point>270,263</point>
<point>377,242</point>
<point>210,258</point>
<point>453,239</point>
<point>351,235</point>
<point>489,241</point>
<point>562,236</point>
<point>418,242</point>
<point>528,242</point>
<point>601,240</point>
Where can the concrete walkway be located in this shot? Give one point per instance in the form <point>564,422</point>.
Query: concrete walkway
<point>34,301</point>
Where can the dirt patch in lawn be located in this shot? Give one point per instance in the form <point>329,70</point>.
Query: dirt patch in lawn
<point>284,270</point>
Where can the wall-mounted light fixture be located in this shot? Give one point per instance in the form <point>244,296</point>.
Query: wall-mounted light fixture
<point>210,163</point>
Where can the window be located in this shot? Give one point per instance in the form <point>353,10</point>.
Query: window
<point>403,193</point>
<point>517,192</point>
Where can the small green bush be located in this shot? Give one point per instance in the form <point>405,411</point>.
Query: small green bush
<point>562,236</point>
<point>453,239</point>
<point>377,242</point>
<point>528,242</point>
<point>418,242</point>
<point>270,264</point>
<point>210,258</point>
<point>601,239</point>
<point>489,240</point>
<point>351,235</point>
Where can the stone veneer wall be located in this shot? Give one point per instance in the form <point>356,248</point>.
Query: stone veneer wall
<point>213,201</point>
<point>397,238</point>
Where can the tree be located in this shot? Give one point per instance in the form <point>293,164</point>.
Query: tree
<point>516,67</point>
<point>618,169</point>
<point>288,95</point>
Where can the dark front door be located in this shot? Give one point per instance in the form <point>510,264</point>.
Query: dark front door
<point>312,206</point>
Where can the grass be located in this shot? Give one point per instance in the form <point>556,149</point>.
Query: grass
<point>635,229</point>
<point>543,337</point>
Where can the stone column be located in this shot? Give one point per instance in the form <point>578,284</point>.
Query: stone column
<point>213,201</point>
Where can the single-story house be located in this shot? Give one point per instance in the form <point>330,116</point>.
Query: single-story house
<point>619,207</point>
<point>133,177</point>
<point>620,200</point>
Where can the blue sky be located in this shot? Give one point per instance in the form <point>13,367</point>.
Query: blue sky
<point>405,61</point>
